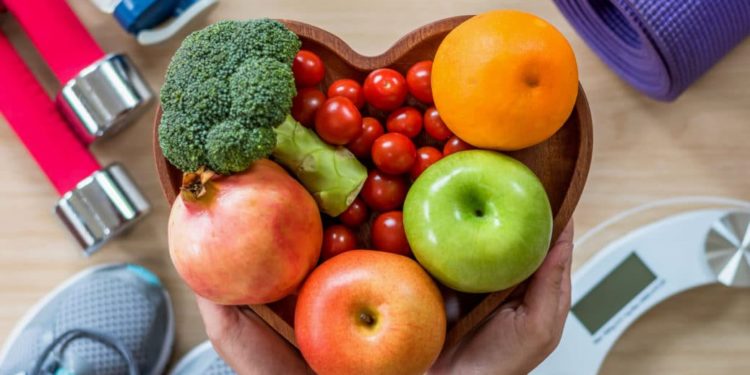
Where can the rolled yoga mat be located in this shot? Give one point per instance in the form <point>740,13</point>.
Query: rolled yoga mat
<point>659,46</point>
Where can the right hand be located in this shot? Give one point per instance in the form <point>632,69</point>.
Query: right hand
<point>524,330</point>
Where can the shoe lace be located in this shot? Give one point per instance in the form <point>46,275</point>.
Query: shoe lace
<point>62,341</point>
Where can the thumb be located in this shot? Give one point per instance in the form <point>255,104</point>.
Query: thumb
<point>247,343</point>
<point>219,320</point>
<point>546,289</point>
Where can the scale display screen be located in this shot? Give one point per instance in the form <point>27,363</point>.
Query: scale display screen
<point>608,297</point>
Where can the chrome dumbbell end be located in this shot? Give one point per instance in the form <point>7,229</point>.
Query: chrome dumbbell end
<point>104,97</point>
<point>101,206</point>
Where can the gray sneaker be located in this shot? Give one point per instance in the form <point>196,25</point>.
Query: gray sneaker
<point>107,320</point>
<point>202,360</point>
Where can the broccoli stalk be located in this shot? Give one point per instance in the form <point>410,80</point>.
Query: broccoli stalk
<point>333,175</point>
<point>226,101</point>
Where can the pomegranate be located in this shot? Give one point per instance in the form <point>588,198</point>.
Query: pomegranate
<point>248,238</point>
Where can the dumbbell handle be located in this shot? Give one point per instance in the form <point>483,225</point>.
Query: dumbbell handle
<point>34,118</point>
<point>57,33</point>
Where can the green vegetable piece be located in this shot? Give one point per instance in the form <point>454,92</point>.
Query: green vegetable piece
<point>264,89</point>
<point>232,147</point>
<point>210,53</point>
<point>333,175</point>
<point>182,141</point>
<point>270,38</point>
<point>208,100</point>
<point>231,72</point>
<point>226,100</point>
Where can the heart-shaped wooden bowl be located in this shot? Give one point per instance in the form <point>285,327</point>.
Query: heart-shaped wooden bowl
<point>562,162</point>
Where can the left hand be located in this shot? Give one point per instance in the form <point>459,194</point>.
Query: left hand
<point>246,343</point>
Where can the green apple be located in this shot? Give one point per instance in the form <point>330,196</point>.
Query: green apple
<point>478,221</point>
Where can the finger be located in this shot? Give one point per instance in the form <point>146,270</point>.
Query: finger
<point>546,287</point>
<point>564,304</point>
<point>565,292</point>
<point>247,343</point>
<point>263,351</point>
<point>566,236</point>
<point>515,298</point>
<point>218,320</point>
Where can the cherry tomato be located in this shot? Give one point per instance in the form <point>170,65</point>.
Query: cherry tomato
<point>385,89</point>
<point>371,130</point>
<point>406,120</point>
<point>306,103</point>
<point>426,156</point>
<point>336,240</point>
<point>434,125</point>
<point>418,80</point>
<point>455,144</point>
<point>383,192</point>
<point>356,214</point>
<point>394,153</point>
<point>388,234</point>
<point>338,121</point>
<point>349,89</point>
<point>308,68</point>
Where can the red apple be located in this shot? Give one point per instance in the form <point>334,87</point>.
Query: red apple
<point>370,312</point>
<point>251,238</point>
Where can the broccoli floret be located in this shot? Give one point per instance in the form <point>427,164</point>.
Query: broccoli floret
<point>265,89</point>
<point>270,38</point>
<point>182,140</point>
<point>226,88</point>
<point>232,147</point>
<point>206,54</point>
<point>209,100</point>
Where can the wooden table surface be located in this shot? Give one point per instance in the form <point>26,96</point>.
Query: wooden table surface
<point>643,151</point>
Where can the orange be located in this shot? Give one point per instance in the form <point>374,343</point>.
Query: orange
<point>504,80</point>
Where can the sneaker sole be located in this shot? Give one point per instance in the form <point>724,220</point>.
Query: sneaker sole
<point>163,358</point>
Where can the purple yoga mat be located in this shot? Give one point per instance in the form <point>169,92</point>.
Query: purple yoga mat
<point>660,46</point>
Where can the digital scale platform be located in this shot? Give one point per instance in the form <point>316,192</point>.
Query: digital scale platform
<point>645,265</point>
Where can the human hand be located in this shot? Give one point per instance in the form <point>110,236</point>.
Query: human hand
<point>246,343</point>
<point>526,328</point>
<point>514,340</point>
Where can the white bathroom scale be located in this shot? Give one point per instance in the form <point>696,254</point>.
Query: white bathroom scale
<point>686,247</point>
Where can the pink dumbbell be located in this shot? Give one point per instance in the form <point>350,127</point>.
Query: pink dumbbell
<point>101,92</point>
<point>96,203</point>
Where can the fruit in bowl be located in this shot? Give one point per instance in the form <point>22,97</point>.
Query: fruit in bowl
<point>505,80</point>
<point>478,221</point>
<point>370,312</point>
<point>358,182</point>
<point>237,243</point>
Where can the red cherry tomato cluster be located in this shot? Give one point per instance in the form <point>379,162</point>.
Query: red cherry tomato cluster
<point>347,113</point>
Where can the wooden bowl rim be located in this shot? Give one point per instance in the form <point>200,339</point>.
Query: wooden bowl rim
<point>365,63</point>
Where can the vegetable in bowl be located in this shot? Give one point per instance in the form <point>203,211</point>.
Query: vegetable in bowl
<point>226,101</point>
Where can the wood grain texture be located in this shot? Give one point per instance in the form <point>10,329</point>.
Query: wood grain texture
<point>644,150</point>
<point>561,162</point>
